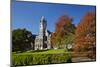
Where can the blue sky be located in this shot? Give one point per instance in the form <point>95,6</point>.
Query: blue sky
<point>27,14</point>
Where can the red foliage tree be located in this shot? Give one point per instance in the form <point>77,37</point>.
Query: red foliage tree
<point>63,20</point>
<point>63,28</point>
<point>85,35</point>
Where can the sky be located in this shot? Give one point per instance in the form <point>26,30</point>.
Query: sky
<point>27,14</point>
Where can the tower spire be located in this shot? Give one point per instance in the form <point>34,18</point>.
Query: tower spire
<point>42,19</point>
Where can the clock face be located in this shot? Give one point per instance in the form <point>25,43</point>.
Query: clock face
<point>45,42</point>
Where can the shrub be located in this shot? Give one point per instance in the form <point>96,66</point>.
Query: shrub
<point>34,59</point>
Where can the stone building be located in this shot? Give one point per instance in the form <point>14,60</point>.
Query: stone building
<point>42,40</point>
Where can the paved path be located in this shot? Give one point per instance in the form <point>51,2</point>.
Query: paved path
<point>82,59</point>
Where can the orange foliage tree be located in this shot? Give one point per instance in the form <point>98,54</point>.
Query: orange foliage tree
<point>63,29</point>
<point>85,35</point>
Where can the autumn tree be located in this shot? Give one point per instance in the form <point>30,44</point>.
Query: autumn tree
<point>85,35</point>
<point>64,31</point>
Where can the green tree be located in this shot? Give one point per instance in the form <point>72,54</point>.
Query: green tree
<point>21,39</point>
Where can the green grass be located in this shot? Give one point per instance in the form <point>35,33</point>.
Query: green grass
<point>41,51</point>
<point>34,57</point>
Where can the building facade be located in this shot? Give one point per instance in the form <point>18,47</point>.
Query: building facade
<point>43,39</point>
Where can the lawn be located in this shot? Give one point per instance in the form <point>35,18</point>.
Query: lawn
<point>41,51</point>
<point>34,57</point>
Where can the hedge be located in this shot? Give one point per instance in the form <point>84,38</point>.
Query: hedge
<point>37,59</point>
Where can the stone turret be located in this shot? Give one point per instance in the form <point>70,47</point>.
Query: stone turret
<point>41,41</point>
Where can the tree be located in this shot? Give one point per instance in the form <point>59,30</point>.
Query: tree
<point>21,39</point>
<point>63,31</point>
<point>85,35</point>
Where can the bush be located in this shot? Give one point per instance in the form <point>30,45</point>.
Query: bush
<point>34,59</point>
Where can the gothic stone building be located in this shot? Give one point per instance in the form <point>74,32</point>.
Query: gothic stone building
<point>42,40</point>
